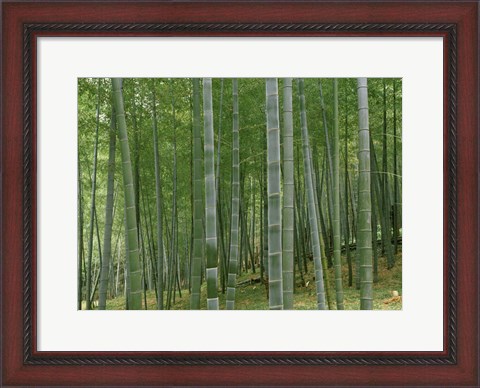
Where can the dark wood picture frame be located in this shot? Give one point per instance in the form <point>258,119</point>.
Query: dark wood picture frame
<point>22,23</point>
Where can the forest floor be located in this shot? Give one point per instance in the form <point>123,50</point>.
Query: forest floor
<point>253,296</point>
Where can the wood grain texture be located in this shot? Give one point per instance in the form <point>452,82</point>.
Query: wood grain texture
<point>107,368</point>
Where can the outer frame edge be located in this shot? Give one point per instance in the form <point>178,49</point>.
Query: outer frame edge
<point>438,28</point>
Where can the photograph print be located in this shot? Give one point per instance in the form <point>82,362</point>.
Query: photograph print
<point>239,194</point>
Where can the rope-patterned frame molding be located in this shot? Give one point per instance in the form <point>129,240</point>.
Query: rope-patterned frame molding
<point>381,29</point>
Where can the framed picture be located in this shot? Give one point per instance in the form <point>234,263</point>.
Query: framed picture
<point>160,79</point>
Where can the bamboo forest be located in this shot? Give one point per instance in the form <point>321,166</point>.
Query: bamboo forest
<point>239,193</point>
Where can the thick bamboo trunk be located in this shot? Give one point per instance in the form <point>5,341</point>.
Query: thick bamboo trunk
<point>364,232</point>
<point>275,300</point>
<point>210,198</point>
<point>134,270</point>
<point>288,196</point>
<point>198,247</point>
<point>234,243</point>
<point>80,257</point>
